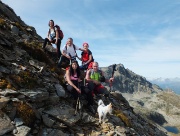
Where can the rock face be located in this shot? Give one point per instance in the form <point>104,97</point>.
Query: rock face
<point>33,100</point>
<point>128,82</point>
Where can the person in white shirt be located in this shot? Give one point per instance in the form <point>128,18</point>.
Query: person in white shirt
<point>68,52</point>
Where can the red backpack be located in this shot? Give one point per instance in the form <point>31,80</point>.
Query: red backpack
<point>61,35</point>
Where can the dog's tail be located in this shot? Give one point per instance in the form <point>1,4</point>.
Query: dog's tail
<point>100,102</point>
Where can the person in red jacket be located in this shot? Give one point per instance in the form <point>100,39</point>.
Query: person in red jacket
<point>86,57</point>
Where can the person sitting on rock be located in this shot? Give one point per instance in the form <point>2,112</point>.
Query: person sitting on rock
<point>94,77</point>
<point>53,37</point>
<point>72,77</point>
<point>68,52</point>
<point>75,87</point>
<point>86,57</point>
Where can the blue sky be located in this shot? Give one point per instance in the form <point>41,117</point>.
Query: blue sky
<point>143,35</point>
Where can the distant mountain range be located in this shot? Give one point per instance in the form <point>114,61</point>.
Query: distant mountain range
<point>167,83</point>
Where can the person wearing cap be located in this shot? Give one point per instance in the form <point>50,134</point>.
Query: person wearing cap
<point>86,57</point>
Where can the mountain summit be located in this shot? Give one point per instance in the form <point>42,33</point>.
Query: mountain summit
<point>128,82</point>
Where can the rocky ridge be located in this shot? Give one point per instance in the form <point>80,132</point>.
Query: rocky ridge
<point>128,82</point>
<point>33,100</point>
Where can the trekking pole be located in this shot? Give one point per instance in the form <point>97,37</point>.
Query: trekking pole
<point>70,58</point>
<point>113,69</point>
<point>78,104</point>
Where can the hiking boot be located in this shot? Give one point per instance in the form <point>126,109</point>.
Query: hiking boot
<point>91,109</point>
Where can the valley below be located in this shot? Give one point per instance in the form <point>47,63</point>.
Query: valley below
<point>162,108</point>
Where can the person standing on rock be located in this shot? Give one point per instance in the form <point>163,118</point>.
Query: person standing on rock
<point>53,37</point>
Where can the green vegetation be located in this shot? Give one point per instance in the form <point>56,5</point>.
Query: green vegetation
<point>3,24</point>
<point>123,117</point>
<point>5,84</point>
<point>25,79</point>
<point>33,49</point>
<point>26,113</point>
<point>19,26</point>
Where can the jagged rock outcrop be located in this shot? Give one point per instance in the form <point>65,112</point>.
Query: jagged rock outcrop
<point>33,100</point>
<point>128,82</point>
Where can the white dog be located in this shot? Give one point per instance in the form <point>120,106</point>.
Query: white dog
<point>103,110</point>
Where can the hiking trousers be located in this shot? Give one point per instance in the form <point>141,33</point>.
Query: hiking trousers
<point>85,90</point>
<point>97,89</point>
<point>72,90</point>
<point>57,46</point>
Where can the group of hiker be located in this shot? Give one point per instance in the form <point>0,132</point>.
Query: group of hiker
<point>93,75</point>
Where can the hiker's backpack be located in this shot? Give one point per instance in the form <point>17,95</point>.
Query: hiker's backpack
<point>72,57</point>
<point>89,52</point>
<point>61,35</point>
<point>73,47</point>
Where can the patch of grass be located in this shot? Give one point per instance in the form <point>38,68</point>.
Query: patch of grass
<point>28,79</point>
<point>25,79</point>
<point>26,113</point>
<point>35,52</point>
<point>5,84</point>
<point>19,26</point>
<point>3,24</point>
<point>123,117</point>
